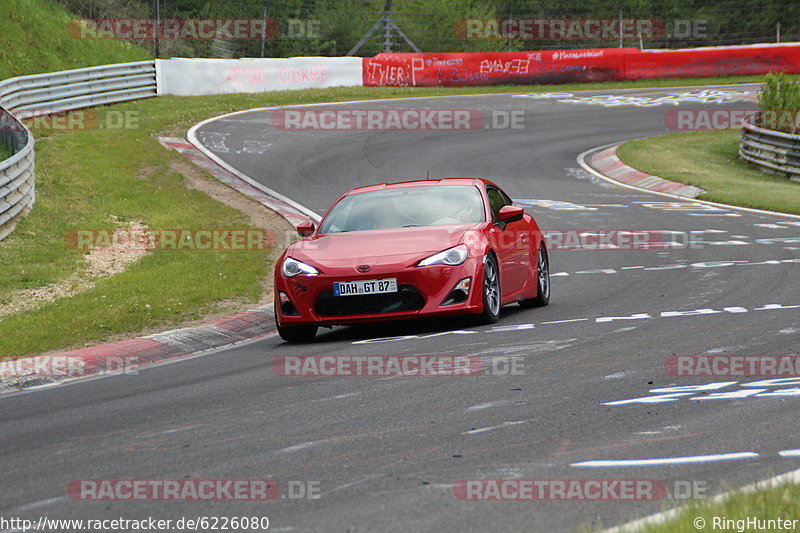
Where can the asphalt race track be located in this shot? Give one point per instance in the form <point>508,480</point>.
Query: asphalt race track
<point>384,454</point>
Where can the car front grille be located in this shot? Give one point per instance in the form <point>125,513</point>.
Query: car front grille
<point>407,298</point>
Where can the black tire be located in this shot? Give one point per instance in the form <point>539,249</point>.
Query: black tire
<point>542,279</point>
<point>490,289</point>
<point>297,333</point>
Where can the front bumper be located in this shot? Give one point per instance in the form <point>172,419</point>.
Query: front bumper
<point>421,292</point>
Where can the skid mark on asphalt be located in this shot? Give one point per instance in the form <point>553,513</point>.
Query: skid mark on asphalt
<point>565,447</point>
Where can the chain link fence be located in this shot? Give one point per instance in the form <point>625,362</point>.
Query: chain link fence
<point>285,28</point>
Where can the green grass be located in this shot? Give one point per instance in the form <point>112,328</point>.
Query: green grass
<point>35,39</point>
<point>710,160</point>
<point>766,504</point>
<point>85,177</point>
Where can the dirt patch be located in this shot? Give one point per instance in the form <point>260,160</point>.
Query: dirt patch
<point>99,263</point>
<point>260,217</point>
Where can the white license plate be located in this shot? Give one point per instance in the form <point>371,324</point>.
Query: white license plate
<point>366,286</point>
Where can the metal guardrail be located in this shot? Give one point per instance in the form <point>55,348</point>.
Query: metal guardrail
<point>55,92</point>
<point>772,151</point>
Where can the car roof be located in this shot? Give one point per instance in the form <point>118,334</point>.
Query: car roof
<point>419,183</point>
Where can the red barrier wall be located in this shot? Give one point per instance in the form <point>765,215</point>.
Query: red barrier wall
<point>455,70</point>
<point>705,62</point>
<point>564,66</point>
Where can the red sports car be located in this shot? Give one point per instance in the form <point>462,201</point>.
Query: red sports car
<point>413,249</point>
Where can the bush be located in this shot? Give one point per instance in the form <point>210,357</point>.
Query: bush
<point>780,103</point>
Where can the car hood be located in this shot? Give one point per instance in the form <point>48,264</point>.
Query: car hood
<point>376,247</point>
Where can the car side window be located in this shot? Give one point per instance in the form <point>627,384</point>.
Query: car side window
<point>497,200</point>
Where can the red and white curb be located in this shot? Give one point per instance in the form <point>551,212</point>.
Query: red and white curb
<point>126,356</point>
<point>607,162</point>
<point>292,214</point>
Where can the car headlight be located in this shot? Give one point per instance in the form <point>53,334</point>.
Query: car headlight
<point>292,267</point>
<point>452,257</point>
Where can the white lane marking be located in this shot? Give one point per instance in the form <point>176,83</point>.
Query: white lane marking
<point>566,321</point>
<point>40,503</point>
<point>600,319</point>
<point>692,459</point>
<point>788,331</point>
<point>755,389</point>
<point>617,375</point>
<point>789,453</point>
<point>556,205</point>
<point>677,266</point>
<point>487,405</point>
<point>339,397</point>
<point>492,428</point>
<point>705,96</point>
<point>301,446</point>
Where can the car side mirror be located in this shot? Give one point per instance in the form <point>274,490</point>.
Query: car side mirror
<point>510,213</point>
<point>304,229</point>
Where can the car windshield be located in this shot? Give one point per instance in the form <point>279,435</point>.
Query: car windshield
<point>405,207</point>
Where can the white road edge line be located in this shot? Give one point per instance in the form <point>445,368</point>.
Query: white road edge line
<point>711,458</point>
<point>660,518</point>
<point>585,166</point>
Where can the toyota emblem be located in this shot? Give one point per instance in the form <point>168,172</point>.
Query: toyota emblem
<point>363,268</point>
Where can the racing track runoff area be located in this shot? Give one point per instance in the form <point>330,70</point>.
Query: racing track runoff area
<point>589,397</point>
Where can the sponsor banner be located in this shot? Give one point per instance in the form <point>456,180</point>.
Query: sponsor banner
<point>580,65</point>
<point>491,68</point>
<point>198,77</point>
